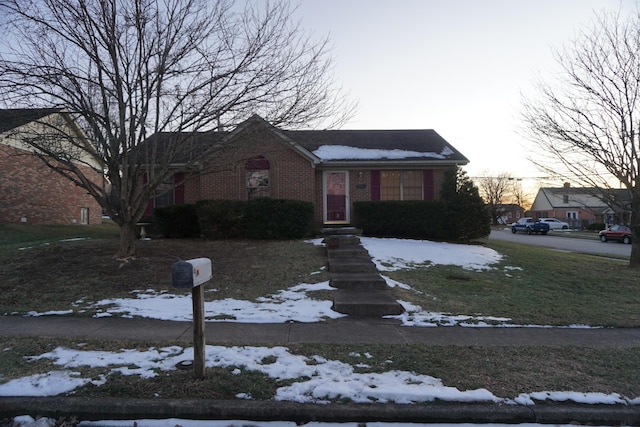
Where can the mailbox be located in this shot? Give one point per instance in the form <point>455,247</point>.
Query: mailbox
<point>191,273</point>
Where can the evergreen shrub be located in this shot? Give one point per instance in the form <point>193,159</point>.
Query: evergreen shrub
<point>459,216</point>
<point>407,219</point>
<point>220,219</point>
<point>180,221</point>
<point>262,218</point>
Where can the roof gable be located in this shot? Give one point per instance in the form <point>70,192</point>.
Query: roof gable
<point>369,145</point>
<point>579,198</point>
<point>13,118</point>
<point>334,147</point>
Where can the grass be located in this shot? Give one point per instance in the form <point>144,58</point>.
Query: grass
<point>14,237</point>
<point>505,371</point>
<point>532,285</point>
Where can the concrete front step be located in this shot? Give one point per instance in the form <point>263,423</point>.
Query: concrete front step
<point>348,251</point>
<point>364,281</point>
<point>351,265</point>
<point>336,241</point>
<point>366,303</point>
<point>328,231</point>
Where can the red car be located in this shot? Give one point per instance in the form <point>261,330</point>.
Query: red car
<point>621,233</point>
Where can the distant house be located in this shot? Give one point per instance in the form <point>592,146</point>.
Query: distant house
<point>329,168</point>
<point>582,206</point>
<point>30,192</point>
<point>510,213</point>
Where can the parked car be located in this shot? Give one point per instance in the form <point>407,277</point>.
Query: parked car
<point>555,224</point>
<point>529,226</point>
<point>621,233</point>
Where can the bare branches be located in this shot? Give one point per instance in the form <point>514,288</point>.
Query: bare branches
<point>586,123</point>
<point>128,69</point>
<point>499,191</point>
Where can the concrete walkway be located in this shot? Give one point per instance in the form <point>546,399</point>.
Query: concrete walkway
<point>346,330</point>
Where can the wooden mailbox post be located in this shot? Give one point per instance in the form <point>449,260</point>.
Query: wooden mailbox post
<point>193,274</point>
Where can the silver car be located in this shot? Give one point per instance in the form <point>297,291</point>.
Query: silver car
<point>555,224</point>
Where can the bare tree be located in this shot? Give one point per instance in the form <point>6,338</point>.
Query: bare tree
<point>128,69</point>
<point>519,196</point>
<point>496,192</point>
<point>587,120</point>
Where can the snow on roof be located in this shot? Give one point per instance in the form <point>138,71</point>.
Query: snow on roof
<point>343,152</point>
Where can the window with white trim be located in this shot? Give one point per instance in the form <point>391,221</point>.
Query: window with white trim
<point>401,185</point>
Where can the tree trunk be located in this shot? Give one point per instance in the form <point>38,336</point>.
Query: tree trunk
<point>634,259</point>
<point>127,240</point>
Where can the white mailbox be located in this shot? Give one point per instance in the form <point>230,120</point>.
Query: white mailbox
<point>191,273</point>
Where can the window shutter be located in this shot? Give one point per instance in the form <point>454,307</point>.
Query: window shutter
<point>375,185</point>
<point>428,185</point>
<point>178,192</point>
<point>149,209</point>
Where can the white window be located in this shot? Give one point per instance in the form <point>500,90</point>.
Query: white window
<point>84,215</point>
<point>257,183</point>
<point>164,194</point>
<point>401,185</point>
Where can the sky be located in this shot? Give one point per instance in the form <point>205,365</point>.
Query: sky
<point>458,67</point>
<point>314,380</point>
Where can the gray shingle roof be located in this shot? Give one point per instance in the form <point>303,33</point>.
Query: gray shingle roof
<point>421,141</point>
<point>13,118</point>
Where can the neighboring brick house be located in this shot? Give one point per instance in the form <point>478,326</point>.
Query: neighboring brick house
<point>581,206</point>
<point>30,192</point>
<point>329,168</point>
<point>510,213</point>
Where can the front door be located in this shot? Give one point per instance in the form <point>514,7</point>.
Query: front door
<point>336,197</point>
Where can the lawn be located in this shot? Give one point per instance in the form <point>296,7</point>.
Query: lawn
<point>530,285</point>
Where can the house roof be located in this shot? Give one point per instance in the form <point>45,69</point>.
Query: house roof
<point>13,118</point>
<point>371,145</point>
<point>339,146</point>
<point>581,198</point>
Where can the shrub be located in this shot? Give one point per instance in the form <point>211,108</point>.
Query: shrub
<point>596,226</point>
<point>412,219</point>
<point>459,215</point>
<point>262,218</point>
<point>180,221</point>
<point>267,218</point>
<point>220,219</point>
<point>466,215</point>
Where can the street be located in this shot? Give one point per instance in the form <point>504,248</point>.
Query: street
<point>555,240</point>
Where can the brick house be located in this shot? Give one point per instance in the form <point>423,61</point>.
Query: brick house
<point>510,213</point>
<point>30,192</point>
<point>329,168</point>
<point>581,206</point>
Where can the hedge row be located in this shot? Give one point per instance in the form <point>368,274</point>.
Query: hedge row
<point>176,222</point>
<point>437,220</point>
<point>262,218</point>
<point>409,219</point>
<point>459,215</point>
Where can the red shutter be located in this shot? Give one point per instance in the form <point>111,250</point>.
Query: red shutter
<point>428,185</point>
<point>375,185</point>
<point>149,209</point>
<point>178,192</point>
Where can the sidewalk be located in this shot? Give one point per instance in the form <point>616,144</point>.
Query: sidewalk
<point>345,330</point>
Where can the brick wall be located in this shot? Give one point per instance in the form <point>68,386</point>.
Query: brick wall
<point>291,176</point>
<point>30,190</point>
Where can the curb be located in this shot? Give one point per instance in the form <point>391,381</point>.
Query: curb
<point>85,409</point>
